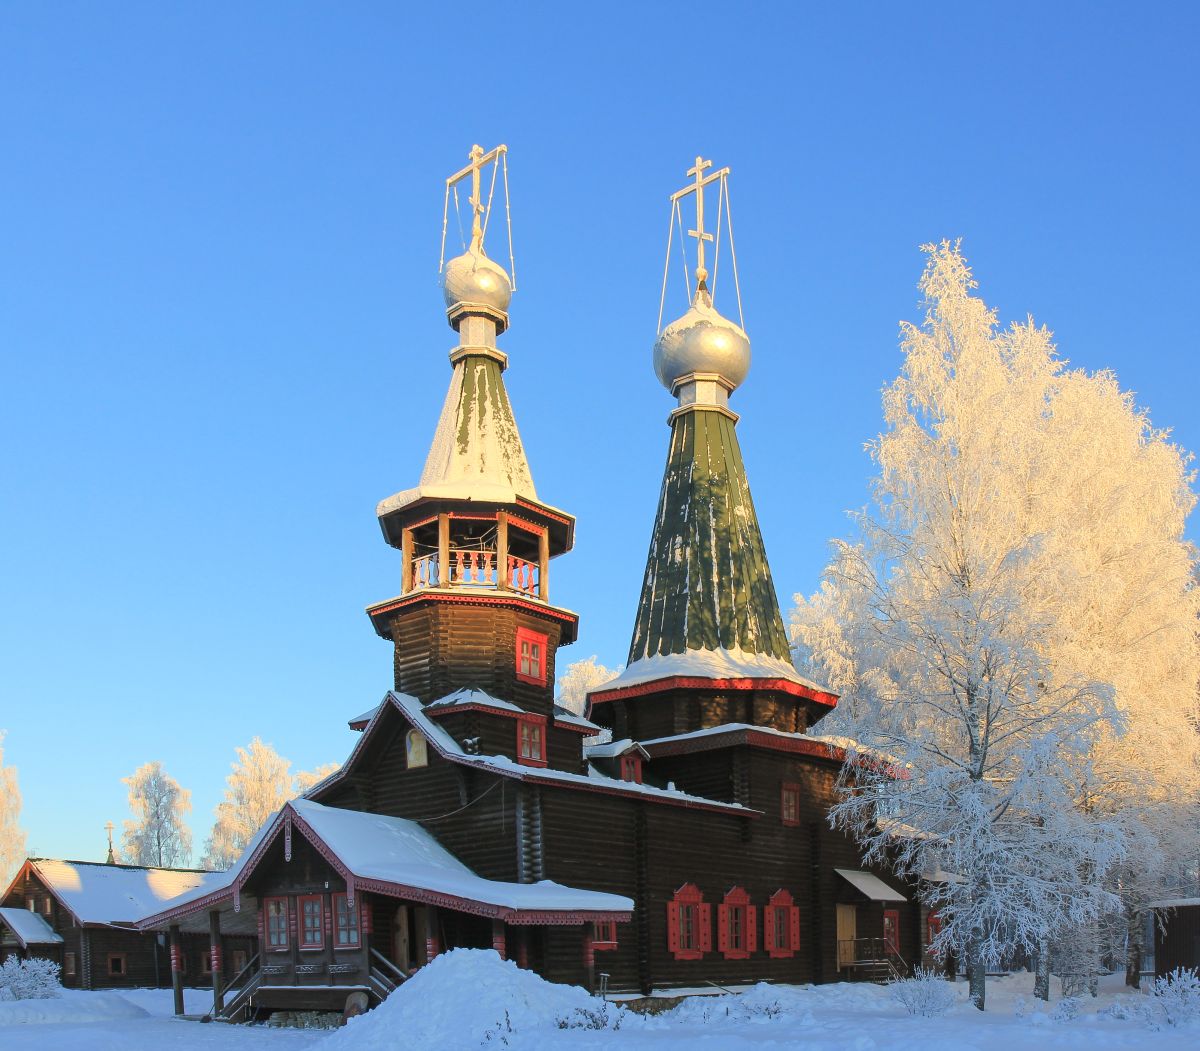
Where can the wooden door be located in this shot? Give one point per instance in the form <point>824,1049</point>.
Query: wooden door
<point>891,931</point>
<point>847,931</point>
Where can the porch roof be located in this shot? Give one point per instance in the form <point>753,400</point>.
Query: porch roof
<point>29,928</point>
<point>397,857</point>
<point>871,885</point>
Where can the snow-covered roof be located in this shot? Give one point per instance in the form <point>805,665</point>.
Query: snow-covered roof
<point>612,749</point>
<point>707,664</point>
<point>476,697</point>
<point>870,885</point>
<point>1173,903</point>
<point>112,894</point>
<point>569,718</point>
<point>29,927</point>
<point>396,850</point>
<point>449,748</point>
<point>476,452</point>
<point>359,721</point>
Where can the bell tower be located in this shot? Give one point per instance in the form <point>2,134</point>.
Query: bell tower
<point>475,541</point>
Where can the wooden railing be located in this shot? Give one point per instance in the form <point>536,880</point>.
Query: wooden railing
<point>873,958</point>
<point>476,569</point>
<point>239,995</point>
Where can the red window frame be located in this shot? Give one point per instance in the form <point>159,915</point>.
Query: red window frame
<point>689,924</point>
<point>631,768</point>
<point>279,928</point>
<point>933,927</point>
<point>604,934</point>
<point>303,915</point>
<point>891,941</point>
<point>346,927</point>
<point>531,656</point>
<point>789,803</point>
<point>531,741</point>
<point>781,925</point>
<point>737,925</point>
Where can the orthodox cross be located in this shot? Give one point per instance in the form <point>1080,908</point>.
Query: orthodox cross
<point>478,160</point>
<point>697,188</point>
<point>108,827</point>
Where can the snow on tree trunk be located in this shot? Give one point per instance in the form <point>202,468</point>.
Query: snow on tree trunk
<point>157,835</point>
<point>12,836</point>
<point>1041,980</point>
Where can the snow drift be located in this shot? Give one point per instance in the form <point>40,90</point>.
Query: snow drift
<point>70,1007</point>
<point>458,1000</point>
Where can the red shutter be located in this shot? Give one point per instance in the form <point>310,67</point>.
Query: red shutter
<point>795,939</point>
<point>769,929</point>
<point>751,928</point>
<point>673,927</point>
<point>723,929</point>
<point>704,921</point>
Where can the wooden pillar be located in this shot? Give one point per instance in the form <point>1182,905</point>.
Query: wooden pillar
<point>498,938</point>
<point>444,550</point>
<point>406,561</point>
<point>522,936</point>
<point>432,948</point>
<point>589,959</point>
<point>544,566</point>
<point>177,968</point>
<point>216,957</point>
<point>502,550</point>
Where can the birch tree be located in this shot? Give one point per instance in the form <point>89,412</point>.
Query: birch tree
<point>257,787</point>
<point>12,836</point>
<point>157,834</point>
<point>581,677</point>
<point>1024,546</point>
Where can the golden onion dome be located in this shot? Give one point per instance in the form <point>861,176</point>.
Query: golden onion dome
<point>702,341</point>
<point>472,278</point>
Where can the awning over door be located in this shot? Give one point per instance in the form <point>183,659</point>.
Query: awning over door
<point>872,886</point>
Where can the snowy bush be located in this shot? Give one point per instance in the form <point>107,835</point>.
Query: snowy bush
<point>926,994</point>
<point>1178,994</point>
<point>606,1016</point>
<point>1066,1009</point>
<point>30,979</point>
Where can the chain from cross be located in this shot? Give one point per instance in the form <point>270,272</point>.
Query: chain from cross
<point>479,159</point>
<point>697,188</point>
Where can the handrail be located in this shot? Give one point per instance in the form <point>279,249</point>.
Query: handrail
<point>389,965</point>
<point>232,983</point>
<point>243,995</point>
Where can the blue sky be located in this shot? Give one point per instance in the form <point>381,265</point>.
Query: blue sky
<point>222,341</point>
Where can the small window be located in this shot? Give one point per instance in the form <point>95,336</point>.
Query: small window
<point>531,657</point>
<point>781,921</point>
<point>69,965</point>
<point>933,927</point>
<point>206,967</point>
<point>789,803</point>
<point>689,924</point>
<point>239,961</point>
<point>346,920</point>
<point>311,915</point>
<point>631,768</point>
<point>116,965</point>
<point>737,934</point>
<point>31,904</point>
<point>415,749</point>
<point>47,906</point>
<point>277,923</point>
<point>531,742</point>
<point>604,934</point>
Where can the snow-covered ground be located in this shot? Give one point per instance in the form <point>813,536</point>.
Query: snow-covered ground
<point>472,999</point>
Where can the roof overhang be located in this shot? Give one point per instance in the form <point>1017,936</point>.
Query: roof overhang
<point>870,885</point>
<point>668,683</point>
<point>381,613</point>
<point>740,735</point>
<point>398,512</point>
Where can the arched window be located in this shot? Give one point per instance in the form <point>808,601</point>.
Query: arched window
<point>737,926</point>
<point>689,924</point>
<point>781,926</point>
<point>415,749</point>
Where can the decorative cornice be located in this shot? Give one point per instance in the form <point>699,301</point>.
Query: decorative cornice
<point>692,682</point>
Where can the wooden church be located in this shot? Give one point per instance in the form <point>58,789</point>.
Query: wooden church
<point>674,838</point>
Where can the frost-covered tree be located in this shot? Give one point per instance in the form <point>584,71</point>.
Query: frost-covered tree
<point>157,835</point>
<point>1025,518</point>
<point>258,785</point>
<point>12,836</point>
<point>580,677</point>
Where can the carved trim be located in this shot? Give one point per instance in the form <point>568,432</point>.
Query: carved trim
<point>689,682</point>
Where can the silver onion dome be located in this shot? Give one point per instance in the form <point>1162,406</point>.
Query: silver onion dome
<point>702,341</point>
<point>472,278</point>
